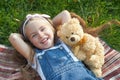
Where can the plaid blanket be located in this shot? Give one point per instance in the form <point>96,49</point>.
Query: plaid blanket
<point>9,69</point>
<point>111,68</point>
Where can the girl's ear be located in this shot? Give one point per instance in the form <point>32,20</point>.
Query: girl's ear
<point>58,33</point>
<point>59,30</point>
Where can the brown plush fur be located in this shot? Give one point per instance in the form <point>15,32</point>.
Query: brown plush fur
<point>94,31</point>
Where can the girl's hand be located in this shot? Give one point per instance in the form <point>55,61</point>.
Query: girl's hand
<point>61,18</point>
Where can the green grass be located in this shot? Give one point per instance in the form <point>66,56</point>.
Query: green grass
<point>94,12</point>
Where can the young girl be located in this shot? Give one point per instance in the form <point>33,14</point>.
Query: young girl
<point>49,56</point>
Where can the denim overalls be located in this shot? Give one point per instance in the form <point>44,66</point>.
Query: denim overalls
<point>58,63</point>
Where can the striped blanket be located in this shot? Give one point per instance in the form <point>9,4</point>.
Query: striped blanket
<point>9,69</point>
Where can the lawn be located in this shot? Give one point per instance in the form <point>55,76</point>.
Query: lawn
<point>94,12</point>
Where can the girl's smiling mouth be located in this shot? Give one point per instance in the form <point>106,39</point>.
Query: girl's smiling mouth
<point>44,41</point>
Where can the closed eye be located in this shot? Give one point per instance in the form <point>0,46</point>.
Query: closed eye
<point>42,28</point>
<point>33,35</point>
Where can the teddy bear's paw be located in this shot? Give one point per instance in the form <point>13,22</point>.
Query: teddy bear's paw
<point>94,59</point>
<point>81,56</point>
<point>97,72</point>
<point>95,65</point>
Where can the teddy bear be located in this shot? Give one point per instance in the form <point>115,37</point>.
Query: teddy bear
<point>84,46</point>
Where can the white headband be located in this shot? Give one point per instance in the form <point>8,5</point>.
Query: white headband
<point>29,16</point>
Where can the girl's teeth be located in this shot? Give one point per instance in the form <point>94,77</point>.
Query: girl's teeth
<point>44,41</point>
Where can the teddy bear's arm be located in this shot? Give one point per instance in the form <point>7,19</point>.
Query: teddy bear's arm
<point>79,53</point>
<point>89,45</point>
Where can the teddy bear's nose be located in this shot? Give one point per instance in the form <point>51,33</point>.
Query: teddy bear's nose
<point>72,39</point>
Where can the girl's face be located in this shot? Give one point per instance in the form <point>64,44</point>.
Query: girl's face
<point>40,33</point>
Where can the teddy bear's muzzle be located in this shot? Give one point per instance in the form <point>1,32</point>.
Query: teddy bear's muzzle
<point>74,39</point>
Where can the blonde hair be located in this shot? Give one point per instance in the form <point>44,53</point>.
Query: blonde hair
<point>26,71</point>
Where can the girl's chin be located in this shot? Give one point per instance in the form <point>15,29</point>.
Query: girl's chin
<point>49,45</point>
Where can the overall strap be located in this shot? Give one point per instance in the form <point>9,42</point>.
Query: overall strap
<point>37,67</point>
<point>69,51</point>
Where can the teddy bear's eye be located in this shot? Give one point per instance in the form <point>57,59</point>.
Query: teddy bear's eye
<point>67,37</point>
<point>72,33</point>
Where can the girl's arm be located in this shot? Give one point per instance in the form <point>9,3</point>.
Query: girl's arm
<point>22,47</point>
<point>61,18</point>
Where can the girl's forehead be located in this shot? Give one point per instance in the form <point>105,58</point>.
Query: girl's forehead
<point>37,21</point>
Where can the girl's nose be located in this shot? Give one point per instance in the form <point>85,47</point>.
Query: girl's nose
<point>40,34</point>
